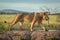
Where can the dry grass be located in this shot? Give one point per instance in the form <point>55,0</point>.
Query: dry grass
<point>54,20</point>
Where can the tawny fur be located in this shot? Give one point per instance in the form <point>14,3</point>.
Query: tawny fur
<point>29,17</point>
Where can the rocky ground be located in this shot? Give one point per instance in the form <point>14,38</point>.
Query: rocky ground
<point>27,35</point>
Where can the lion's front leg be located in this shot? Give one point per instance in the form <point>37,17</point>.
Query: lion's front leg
<point>32,25</point>
<point>33,21</point>
<point>42,27</point>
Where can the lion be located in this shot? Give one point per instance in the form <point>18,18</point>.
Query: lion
<point>30,17</point>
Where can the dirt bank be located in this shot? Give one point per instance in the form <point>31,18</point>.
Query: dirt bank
<point>27,35</point>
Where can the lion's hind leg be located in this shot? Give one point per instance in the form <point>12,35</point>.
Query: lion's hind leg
<point>20,25</point>
<point>15,20</point>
